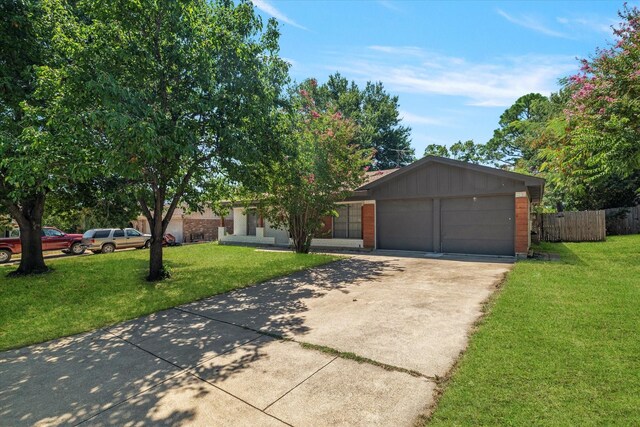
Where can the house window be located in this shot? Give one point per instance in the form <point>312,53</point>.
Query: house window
<point>348,224</point>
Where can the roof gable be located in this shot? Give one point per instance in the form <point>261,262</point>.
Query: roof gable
<point>438,177</point>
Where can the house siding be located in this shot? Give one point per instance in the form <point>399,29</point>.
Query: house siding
<point>439,180</point>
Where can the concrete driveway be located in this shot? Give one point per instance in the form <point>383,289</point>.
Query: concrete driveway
<point>361,341</point>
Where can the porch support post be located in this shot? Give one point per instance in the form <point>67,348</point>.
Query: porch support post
<point>369,225</point>
<point>239,222</point>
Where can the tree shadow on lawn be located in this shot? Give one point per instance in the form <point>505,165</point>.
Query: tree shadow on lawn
<point>139,372</point>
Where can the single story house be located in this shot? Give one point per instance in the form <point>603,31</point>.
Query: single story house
<point>188,226</point>
<point>435,205</point>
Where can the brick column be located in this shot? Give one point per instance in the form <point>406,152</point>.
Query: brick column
<point>369,225</point>
<point>326,232</point>
<point>522,224</point>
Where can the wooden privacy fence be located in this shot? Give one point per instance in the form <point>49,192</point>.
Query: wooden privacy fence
<point>586,226</point>
<point>623,220</point>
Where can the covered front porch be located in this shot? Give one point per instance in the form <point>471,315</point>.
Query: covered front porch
<point>353,228</point>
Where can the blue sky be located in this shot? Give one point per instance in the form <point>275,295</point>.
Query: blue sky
<point>456,66</point>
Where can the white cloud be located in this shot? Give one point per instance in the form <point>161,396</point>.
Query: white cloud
<point>416,119</point>
<point>389,5</point>
<point>486,84</point>
<point>269,9</point>
<point>597,24</point>
<point>291,62</point>
<point>532,24</point>
<point>398,50</point>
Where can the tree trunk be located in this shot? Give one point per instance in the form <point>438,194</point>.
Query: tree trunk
<point>29,219</point>
<point>299,235</point>
<point>32,258</point>
<point>300,244</point>
<point>156,265</point>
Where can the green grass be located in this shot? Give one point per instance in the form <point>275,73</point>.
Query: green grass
<point>560,345</point>
<point>84,293</point>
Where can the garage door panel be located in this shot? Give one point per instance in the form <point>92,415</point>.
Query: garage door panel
<point>475,203</point>
<point>175,229</point>
<point>481,247</point>
<point>478,225</point>
<point>405,224</point>
<point>489,218</point>
<point>473,232</point>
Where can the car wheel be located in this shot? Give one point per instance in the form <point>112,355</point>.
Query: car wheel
<point>108,248</point>
<point>77,248</point>
<point>5,256</point>
<point>147,244</point>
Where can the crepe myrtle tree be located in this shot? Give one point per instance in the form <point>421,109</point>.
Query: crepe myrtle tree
<point>185,92</point>
<point>374,110</point>
<point>603,113</point>
<point>322,166</point>
<point>42,142</point>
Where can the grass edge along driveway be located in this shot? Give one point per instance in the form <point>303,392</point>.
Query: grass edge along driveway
<point>559,346</point>
<point>89,292</point>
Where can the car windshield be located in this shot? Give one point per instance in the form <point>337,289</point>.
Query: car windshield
<point>88,234</point>
<point>132,232</point>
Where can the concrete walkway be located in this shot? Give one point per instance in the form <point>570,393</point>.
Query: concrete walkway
<point>223,360</point>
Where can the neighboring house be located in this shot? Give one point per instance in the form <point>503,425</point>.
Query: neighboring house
<point>433,205</point>
<point>190,227</point>
<point>7,225</point>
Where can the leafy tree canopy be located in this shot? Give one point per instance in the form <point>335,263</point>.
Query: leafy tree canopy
<point>603,113</point>
<point>182,95</point>
<point>322,167</point>
<point>42,141</point>
<point>374,111</point>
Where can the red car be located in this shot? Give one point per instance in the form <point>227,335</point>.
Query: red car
<point>52,240</point>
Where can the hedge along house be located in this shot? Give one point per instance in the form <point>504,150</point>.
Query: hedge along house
<point>434,205</point>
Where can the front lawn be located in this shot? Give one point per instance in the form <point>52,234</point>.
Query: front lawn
<point>560,346</point>
<point>84,293</point>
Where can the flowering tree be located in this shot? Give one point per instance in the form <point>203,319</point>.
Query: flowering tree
<point>374,110</point>
<point>603,114</point>
<point>321,168</point>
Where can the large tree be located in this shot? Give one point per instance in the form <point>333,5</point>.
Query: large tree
<point>375,112</point>
<point>41,141</point>
<point>322,166</point>
<point>513,143</point>
<point>604,114</point>
<point>184,92</point>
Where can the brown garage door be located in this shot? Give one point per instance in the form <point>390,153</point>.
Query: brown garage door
<point>478,225</point>
<point>405,224</point>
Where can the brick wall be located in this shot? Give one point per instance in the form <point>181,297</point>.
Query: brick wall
<point>369,225</point>
<point>326,232</point>
<point>522,223</point>
<point>203,229</point>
